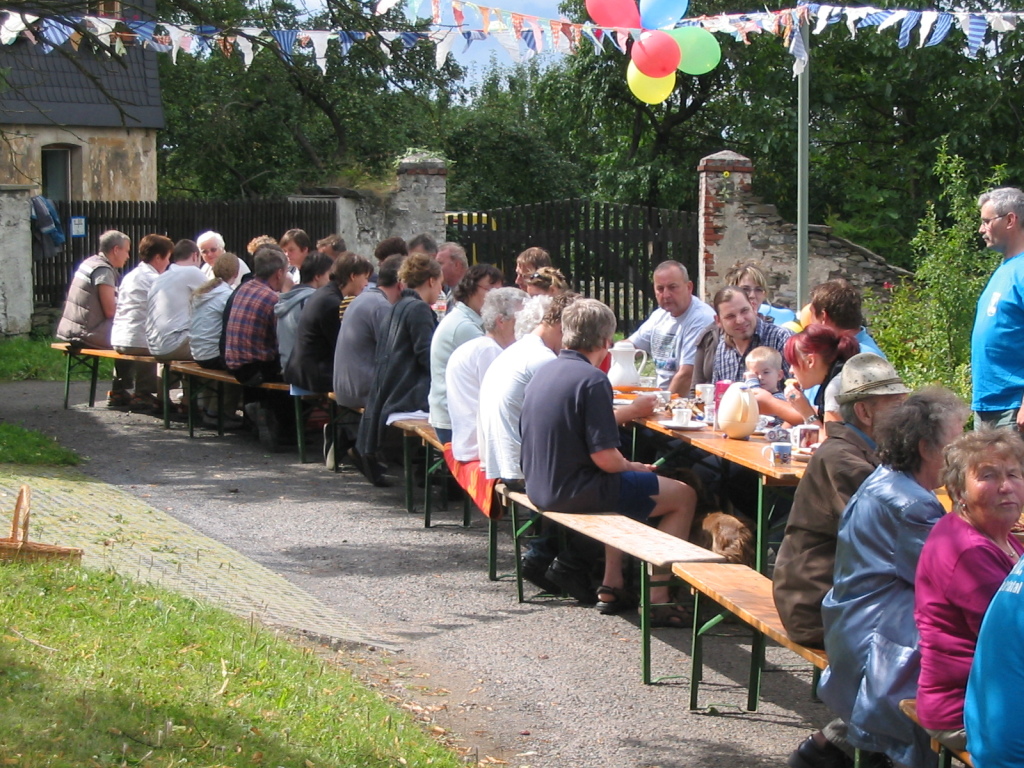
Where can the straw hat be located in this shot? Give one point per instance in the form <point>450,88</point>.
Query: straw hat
<point>867,375</point>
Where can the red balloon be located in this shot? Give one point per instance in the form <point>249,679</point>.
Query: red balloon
<point>614,13</point>
<point>656,54</point>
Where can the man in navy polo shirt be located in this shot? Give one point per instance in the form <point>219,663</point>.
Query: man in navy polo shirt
<point>571,458</point>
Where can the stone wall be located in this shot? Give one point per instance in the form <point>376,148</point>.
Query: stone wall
<point>106,163</point>
<point>735,226</point>
<point>416,204</point>
<point>15,259</point>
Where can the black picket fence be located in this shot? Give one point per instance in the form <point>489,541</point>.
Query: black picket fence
<point>608,251</point>
<point>238,221</point>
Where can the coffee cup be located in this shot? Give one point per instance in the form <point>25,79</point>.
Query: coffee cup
<point>664,397</point>
<point>803,436</point>
<point>705,392</point>
<point>778,453</point>
<point>681,417</point>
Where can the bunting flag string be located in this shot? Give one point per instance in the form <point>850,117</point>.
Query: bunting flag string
<point>520,35</point>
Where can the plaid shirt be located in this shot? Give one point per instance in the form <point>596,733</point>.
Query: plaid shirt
<point>730,364</point>
<point>251,331</point>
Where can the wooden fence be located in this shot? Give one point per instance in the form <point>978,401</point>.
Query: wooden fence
<point>607,251</point>
<point>238,221</point>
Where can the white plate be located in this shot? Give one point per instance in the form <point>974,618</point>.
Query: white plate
<point>801,456</point>
<point>693,425</point>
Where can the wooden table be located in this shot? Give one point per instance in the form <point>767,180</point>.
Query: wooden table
<point>744,453</point>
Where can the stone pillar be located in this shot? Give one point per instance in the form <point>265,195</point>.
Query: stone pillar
<point>15,259</point>
<point>724,179</point>
<point>419,204</point>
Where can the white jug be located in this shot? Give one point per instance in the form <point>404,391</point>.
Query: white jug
<point>738,412</point>
<point>624,371</point>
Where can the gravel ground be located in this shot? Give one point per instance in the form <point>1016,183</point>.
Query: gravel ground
<point>546,684</point>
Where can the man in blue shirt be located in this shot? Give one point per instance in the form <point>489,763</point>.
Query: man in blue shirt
<point>997,366</point>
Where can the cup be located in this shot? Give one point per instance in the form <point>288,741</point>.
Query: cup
<point>803,436</point>
<point>648,381</point>
<point>664,397</point>
<point>778,453</point>
<point>705,392</point>
<point>681,417</point>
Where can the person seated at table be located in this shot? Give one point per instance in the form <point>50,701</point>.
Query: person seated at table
<point>205,331</point>
<point>741,330</point>
<point>838,304</point>
<point>211,246</point>
<point>528,262</point>
<point>571,458</point>
<point>816,357</point>
<point>765,365</point>
<point>311,363</point>
<point>169,306</point>
<point>401,377</point>
<point>869,389</point>
<point>967,556</point>
<point>992,707</point>
<point>870,635</point>
<point>313,274</point>
<point>468,364</point>
<point>546,281</point>
<point>461,323</point>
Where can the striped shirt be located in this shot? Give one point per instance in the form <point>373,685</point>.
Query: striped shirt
<point>730,364</point>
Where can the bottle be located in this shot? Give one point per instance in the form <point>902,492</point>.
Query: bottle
<point>750,380</point>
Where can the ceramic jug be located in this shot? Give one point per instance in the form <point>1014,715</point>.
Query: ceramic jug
<point>624,371</point>
<point>738,412</point>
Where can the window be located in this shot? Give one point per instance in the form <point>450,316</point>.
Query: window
<point>57,173</point>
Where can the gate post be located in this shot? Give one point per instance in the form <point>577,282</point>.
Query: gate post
<point>724,178</point>
<point>15,259</point>
<point>422,196</point>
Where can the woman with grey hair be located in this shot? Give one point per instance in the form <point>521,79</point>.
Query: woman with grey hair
<point>468,364</point>
<point>870,635</point>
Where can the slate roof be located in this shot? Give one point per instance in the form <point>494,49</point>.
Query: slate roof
<point>48,89</point>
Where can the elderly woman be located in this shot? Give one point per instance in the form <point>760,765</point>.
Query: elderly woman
<point>546,281</point>
<point>870,635</point>
<point>401,377</point>
<point>964,561</point>
<point>816,357</point>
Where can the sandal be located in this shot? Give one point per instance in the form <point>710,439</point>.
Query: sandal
<point>671,616</point>
<point>624,600</point>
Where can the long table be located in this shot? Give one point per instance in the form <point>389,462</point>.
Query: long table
<point>744,453</point>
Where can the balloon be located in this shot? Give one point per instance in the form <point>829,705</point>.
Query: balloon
<point>656,54</point>
<point>650,90</point>
<point>700,51</point>
<point>614,13</point>
<point>656,14</point>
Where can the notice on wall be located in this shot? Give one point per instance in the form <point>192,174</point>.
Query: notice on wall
<point>78,226</point>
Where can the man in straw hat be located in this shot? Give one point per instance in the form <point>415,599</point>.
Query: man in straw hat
<point>869,388</point>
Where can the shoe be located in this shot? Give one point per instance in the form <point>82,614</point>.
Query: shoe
<point>118,399</point>
<point>533,570</point>
<point>810,754</point>
<point>230,422</point>
<point>624,600</point>
<point>145,403</point>
<point>372,470</point>
<point>671,617</point>
<point>268,429</point>
<point>572,582</point>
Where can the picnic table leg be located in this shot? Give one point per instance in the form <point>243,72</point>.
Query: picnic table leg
<point>492,547</point>
<point>300,431</point>
<point>513,511</point>
<point>756,665</point>
<point>645,623</point>
<point>94,367</point>
<point>220,409</point>
<point>193,403</point>
<point>165,381</point>
<point>762,524</point>
<point>467,513</point>
<point>427,477</point>
<point>407,460</point>
<point>67,378</point>
<point>696,653</point>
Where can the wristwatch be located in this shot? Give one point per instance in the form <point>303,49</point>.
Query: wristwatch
<point>812,419</point>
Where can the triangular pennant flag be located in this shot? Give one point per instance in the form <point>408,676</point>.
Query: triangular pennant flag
<point>319,39</point>
<point>444,39</point>
<point>409,39</point>
<point>854,16</point>
<point>471,35</point>
<point>596,36</point>
<point>538,33</point>
<point>517,24</point>
<point>244,43</point>
<point>977,26</point>
<point>892,19</point>
<point>458,13</point>
<point>827,14</point>
<point>55,31</point>
<point>909,22</point>
<point>204,37</point>
<point>101,27</point>
<point>927,22</point>
<point>507,39</point>
<point>485,15</point>
<point>435,11</point>
<point>181,39</point>
<point>942,27</point>
<point>14,25</point>
<point>798,51</point>
<point>345,40</point>
<point>1003,22</point>
<point>387,37</point>
<point>620,37</point>
<point>285,39</point>
<point>384,6</point>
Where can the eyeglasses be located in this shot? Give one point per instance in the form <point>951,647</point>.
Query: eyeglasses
<point>749,289</point>
<point>988,222</point>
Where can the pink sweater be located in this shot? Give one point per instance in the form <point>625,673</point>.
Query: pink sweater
<point>959,571</point>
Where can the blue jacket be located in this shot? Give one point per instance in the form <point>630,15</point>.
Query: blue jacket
<point>870,635</point>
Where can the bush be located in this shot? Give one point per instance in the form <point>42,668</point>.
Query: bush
<point>925,328</point>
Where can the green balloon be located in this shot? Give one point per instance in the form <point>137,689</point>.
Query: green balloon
<point>700,50</point>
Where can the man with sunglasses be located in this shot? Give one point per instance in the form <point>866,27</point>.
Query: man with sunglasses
<point>997,367</point>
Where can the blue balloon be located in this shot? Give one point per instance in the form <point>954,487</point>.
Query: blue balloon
<point>658,14</point>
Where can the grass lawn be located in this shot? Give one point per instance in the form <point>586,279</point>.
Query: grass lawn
<point>26,446</point>
<point>97,670</point>
<point>24,358</point>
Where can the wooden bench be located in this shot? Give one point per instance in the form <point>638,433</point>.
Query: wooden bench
<point>192,371</point>
<point>89,359</point>
<point>909,708</point>
<point>653,548</point>
<point>747,595</point>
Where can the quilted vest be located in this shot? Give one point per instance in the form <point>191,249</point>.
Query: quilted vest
<point>83,321</point>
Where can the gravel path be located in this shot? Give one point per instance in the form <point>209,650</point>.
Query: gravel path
<point>546,684</point>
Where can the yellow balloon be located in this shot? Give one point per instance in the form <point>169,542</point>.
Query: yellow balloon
<point>650,90</point>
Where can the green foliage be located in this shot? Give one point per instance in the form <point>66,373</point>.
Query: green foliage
<point>926,327</point>
<point>101,671</point>
<point>23,358</point>
<point>26,446</point>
